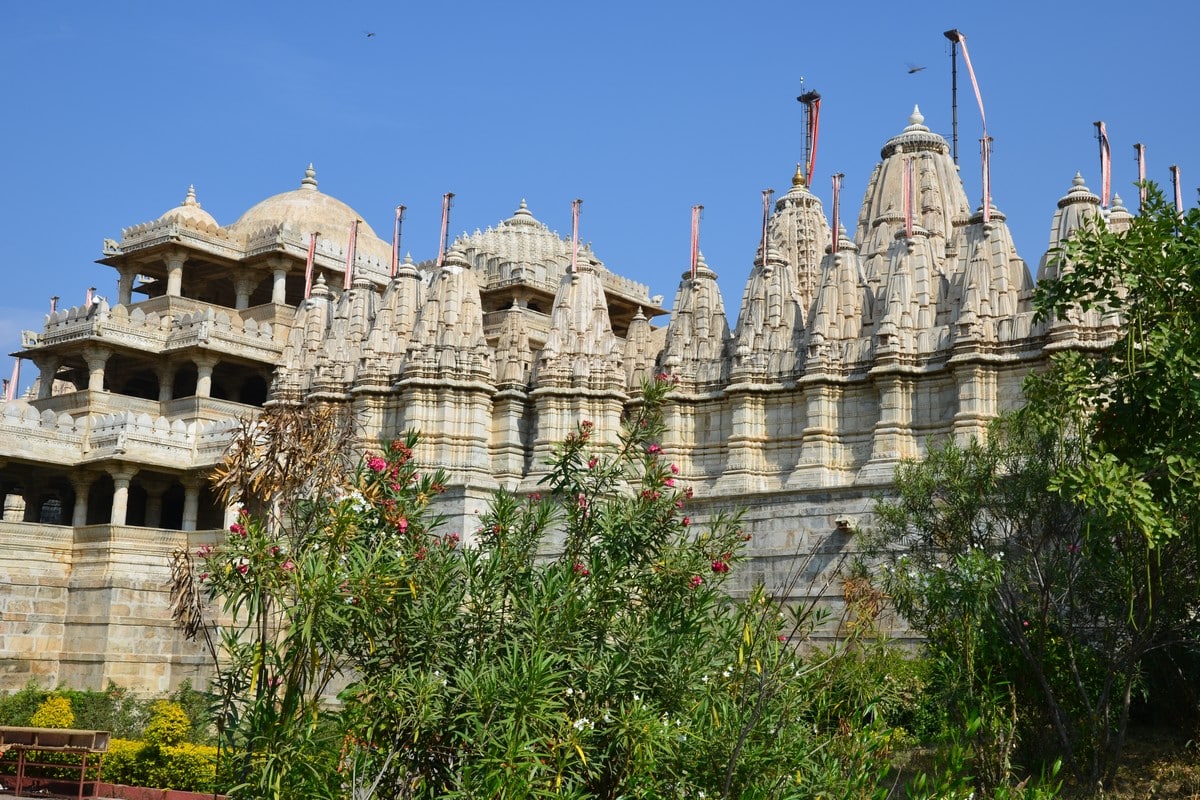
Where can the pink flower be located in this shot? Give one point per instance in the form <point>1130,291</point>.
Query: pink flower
<point>203,576</point>
<point>580,570</point>
<point>205,551</point>
<point>720,566</point>
<point>402,525</point>
<point>242,512</point>
<point>687,521</point>
<point>243,568</point>
<point>674,469</point>
<point>376,464</point>
<point>669,482</point>
<point>274,549</point>
<point>582,500</point>
<point>451,540</point>
<point>288,566</point>
<point>782,638</point>
<point>653,449</point>
<point>592,462</point>
<point>695,581</point>
<point>238,528</point>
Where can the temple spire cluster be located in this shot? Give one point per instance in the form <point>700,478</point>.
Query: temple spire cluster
<point>852,351</point>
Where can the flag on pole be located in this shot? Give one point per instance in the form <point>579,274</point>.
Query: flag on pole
<point>87,298</point>
<point>396,240</point>
<point>814,126</point>
<point>11,394</point>
<point>53,304</point>
<point>695,238</point>
<point>575,204</point>
<point>1141,168</point>
<point>1178,190</point>
<point>837,210</point>
<point>1105,164</point>
<point>986,150</point>
<point>908,198</point>
<point>351,246</point>
<point>767,193</point>
<point>446,198</point>
<point>961,39</point>
<point>308,265</point>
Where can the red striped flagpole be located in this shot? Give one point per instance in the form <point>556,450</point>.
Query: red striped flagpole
<point>53,304</point>
<point>350,248</point>
<point>1105,164</point>
<point>396,240</point>
<point>695,238</point>
<point>308,265</point>
<point>961,39</point>
<point>575,204</point>
<point>837,210</point>
<point>908,198</point>
<point>442,245</point>
<point>1178,190</point>
<point>986,149</point>
<point>16,378</point>
<point>767,193</point>
<point>1141,168</point>
<point>814,127</point>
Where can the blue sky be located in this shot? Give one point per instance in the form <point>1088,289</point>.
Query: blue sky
<point>640,108</point>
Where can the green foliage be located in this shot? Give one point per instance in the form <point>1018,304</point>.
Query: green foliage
<point>19,707</point>
<point>198,707</point>
<point>168,725</point>
<point>184,767</point>
<point>115,709</point>
<point>54,712</point>
<point>578,644</point>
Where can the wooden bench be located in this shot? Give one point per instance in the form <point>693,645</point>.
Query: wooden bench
<point>31,745</point>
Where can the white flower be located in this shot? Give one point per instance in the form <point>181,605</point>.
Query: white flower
<point>570,691</point>
<point>581,723</point>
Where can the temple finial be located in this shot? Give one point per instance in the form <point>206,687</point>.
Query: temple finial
<point>310,178</point>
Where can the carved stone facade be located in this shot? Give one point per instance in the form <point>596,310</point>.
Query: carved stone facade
<point>844,361</point>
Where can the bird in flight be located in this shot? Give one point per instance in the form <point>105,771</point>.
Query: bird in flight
<point>369,33</point>
<point>912,68</point>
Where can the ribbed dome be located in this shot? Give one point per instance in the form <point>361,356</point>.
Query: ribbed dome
<point>306,210</point>
<point>190,213</point>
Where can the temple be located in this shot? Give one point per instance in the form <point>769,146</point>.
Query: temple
<point>850,354</point>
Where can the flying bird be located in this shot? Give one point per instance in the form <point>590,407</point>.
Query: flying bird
<point>914,68</point>
<point>369,33</point>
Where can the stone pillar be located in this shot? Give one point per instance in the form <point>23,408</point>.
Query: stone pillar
<point>82,484</point>
<point>204,370</point>
<point>155,487</point>
<point>244,286</point>
<point>48,367</point>
<point>125,285</point>
<point>191,500</point>
<point>175,260</point>
<point>166,382</point>
<point>96,358</point>
<point>14,507</point>
<point>121,476</point>
<point>279,271</point>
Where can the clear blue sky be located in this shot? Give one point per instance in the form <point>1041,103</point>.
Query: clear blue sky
<point>640,108</point>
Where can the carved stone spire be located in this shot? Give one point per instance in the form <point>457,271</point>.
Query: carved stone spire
<point>698,338</point>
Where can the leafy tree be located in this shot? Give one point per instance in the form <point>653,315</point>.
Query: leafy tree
<point>578,644</point>
<point>1046,565</point>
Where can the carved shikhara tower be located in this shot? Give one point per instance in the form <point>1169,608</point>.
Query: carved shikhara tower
<point>844,361</point>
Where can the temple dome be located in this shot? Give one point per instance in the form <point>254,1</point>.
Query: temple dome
<point>307,210</point>
<point>190,213</point>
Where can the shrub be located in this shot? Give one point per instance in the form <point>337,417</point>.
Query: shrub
<point>169,724</point>
<point>114,709</point>
<point>184,767</point>
<point>18,708</point>
<point>54,712</point>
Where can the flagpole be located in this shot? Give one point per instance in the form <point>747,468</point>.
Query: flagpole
<point>442,245</point>
<point>308,265</point>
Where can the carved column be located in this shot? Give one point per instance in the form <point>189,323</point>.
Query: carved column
<point>191,500</point>
<point>204,371</point>
<point>244,286</point>
<point>48,367</point>
<point>121,476</point>
<point>279,271</point>
<point>155,487</point>
<point>125,285</point>
<point>166,381</point>
<point>175,260</point>
<point>96,358</point>
<point>82,484</point>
